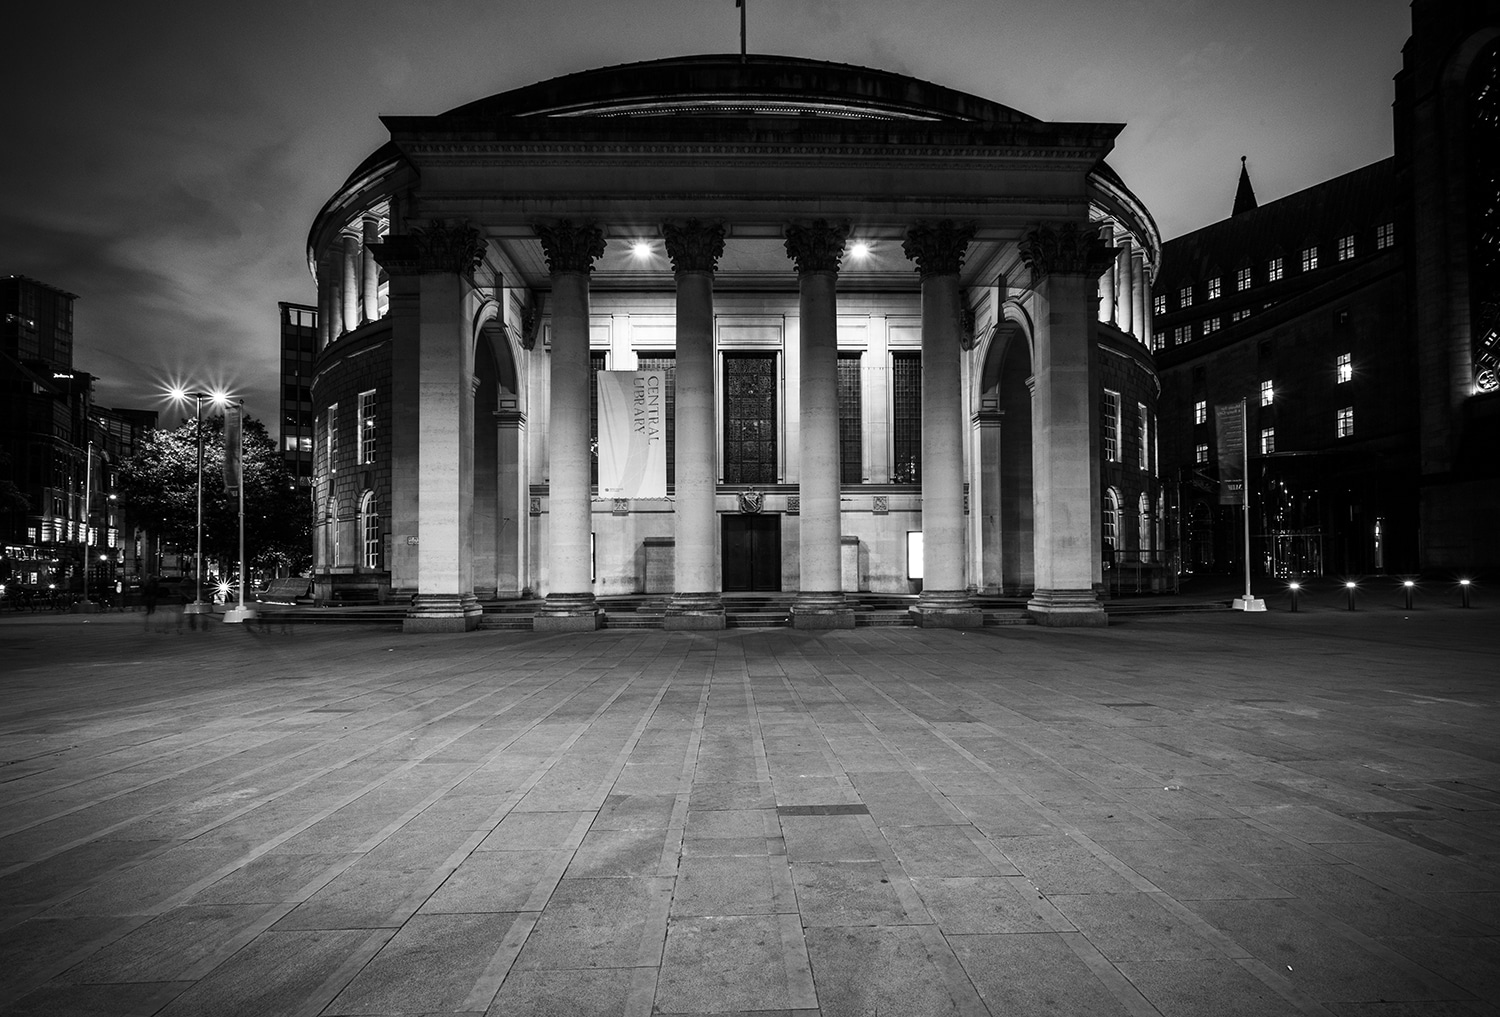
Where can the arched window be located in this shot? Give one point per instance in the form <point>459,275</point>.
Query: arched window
<point>369,528</point>
<point>1111,522</point>
<point>1144,525</point>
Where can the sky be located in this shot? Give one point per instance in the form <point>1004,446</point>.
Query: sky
<point>164,160</point>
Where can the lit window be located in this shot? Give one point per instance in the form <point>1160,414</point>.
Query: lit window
<point>1242,280</point>
<point>1215,287</point>
<point>1346,247</point>
<point>367,426</point>
<point>1145,436</point>
<point>1181,334</point>
<point>1239,315</point>
<point>1211,325</point>
<point>1200,411</point>
<point>1385,236</point>
<point>1275,269</point>
<point>333,437</point>
<point>1267,392</point>
<point>369,528</point>
<point>1185,297</point>
<point>1309,259</point>
<point>1346,422</point>
<point>1200,453</point>
<point>1110,413</point>
<point>1111,518</point>
<point>1267,440</point>
<point>1159,304</point>
<point>1344,366</point>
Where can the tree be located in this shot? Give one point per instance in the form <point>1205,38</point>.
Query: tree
<point>160,488</point>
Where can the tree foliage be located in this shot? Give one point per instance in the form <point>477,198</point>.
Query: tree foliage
<point>160,487</point>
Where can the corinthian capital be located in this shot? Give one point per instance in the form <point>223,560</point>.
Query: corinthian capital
<point>570,247</point>
<point>938,248</point>
<point>1064,248</point>
<point>694,246</point>
<point>816,246</point>
<point>440,246</point>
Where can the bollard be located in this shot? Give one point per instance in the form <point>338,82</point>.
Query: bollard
<point>1294,588</point>
<point>1408,586</point>
<point>1463,586</point>
<point>1350,588</point>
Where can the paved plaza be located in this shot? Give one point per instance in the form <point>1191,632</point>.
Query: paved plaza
<point>1212,814</point>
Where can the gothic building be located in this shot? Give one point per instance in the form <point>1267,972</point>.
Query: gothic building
<point>900,338</point>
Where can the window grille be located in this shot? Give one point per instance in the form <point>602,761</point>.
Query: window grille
<point>851,420</point>
<point>906,423</point>
<point>750,418</point>
<point>666,362</point>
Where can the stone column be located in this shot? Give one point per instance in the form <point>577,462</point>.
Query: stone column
<point>1139,297</point>
<point>441,257</point>
<point>938,249</point>
<point>695,249</point>
<point>328,329</point>
<point>350,288</point>
<point>1124,308</point>
<point>570,605</point>
<point>371,280</point>
<point>1064,260</point>
<point>1107,282</point>
<point>816,248</point>
<point>510,427</point>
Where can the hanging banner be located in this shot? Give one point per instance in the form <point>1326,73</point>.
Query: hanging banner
<point>1230,424</point>
<point>632,434</point>
<point>233,447</point>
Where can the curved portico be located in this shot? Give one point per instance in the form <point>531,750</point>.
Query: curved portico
<point>819,386</point>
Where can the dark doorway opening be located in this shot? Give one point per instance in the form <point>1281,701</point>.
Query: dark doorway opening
<point>752,553</point>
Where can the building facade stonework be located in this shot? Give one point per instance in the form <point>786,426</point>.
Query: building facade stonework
<point>886,313</point>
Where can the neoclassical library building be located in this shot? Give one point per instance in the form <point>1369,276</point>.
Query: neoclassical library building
<point>709,325</point>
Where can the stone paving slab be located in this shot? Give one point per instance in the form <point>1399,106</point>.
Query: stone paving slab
<point>1192,815</point>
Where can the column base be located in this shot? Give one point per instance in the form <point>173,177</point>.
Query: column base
<point>239,615</point>
<point>814,610</point>
<point>1067,609</point>
<point>946,609</point>
<point>442,612</point>
<point>688,612</point>
<point>1249,604</point>
<point>568,612</point>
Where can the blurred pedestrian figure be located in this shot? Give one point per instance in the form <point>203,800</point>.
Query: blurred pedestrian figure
<point>149,595</point>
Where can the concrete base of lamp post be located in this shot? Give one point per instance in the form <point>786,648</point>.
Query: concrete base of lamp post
<point>198,607</point>
<point>238,615</point>
<point>1249,604</point>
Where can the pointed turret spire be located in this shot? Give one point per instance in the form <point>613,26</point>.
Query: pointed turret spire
<point>1244,198</point>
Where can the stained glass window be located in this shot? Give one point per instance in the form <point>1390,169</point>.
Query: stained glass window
<point>906,422</point>
<point>750,418</point>
<point>597,360</point>
<point>851,420</point>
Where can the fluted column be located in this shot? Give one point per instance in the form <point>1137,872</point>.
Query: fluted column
<point>1064,261</point>
<point>438,362</point>
<point>328,329</point>
<point>816,249</point>
<point>695,248</point>
<point>1107,281</point>
<point>571,250</point>
<point>371,278</point>
<point>1124,286</point>
<point>350,286</point>
<point>1138,295</point>
<point>938,249</point>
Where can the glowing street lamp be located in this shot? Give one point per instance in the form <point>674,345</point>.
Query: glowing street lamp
<point>1295,589</point>
<point>218,399</point>
<point>1408,586</point>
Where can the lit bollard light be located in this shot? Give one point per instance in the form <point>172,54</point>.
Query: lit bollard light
<point>1349,588</point>
<point>1463,587</point>
<point>1294,589</point>
<point>1408,587</point>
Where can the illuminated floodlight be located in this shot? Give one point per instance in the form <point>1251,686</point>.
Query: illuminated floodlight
<point>177,393</point>
<point>219,397</point>
<point>1350,584</point>
<point>1294,586</point>
<point>641,249</point>
<point>1408,584</point>
<point>859,250</point>
<point>1464,582</point>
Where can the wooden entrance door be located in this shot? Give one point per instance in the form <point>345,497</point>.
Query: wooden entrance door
<point>752,553</point>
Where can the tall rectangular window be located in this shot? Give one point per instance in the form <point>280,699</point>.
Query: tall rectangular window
<point>1267,440</point>
<point>1275,269</point>
<point>851,420</point>
<point>1385,236</point>
<point>1344,423</point>
<point>1344,367</point>
<point>906,422</point>
<point>1159,305</point>
<point>1242,280</point>
<point>367,427</point>
<point>1200,411</point>
<point>666,362</point>
<point>1309,259</point>
<point>1346,247</point>
<point>597,360</point>
<point>1215,287</point>
<point>1182,333</point>
<point>1185,297</point>
<point>750,418</point>
<point>1145,435</point>
<point>1267,392</point>
<point>1200,453</point>
<point>333,437</point>
<point>1109,415</point>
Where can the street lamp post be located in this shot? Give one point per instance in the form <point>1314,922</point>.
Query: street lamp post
<point>198,606</point>
<point>86,606</point>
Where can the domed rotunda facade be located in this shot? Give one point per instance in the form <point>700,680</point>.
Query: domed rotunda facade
<point>710,325</point>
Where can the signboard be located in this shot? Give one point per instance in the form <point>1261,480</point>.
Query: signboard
<point>632,434</point>
<point>233,449</point>
<point>1230,424</point>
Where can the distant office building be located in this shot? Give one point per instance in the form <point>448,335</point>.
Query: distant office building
<point>1360,321</point>
<point>59,507</point>
<point>299,347</point>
